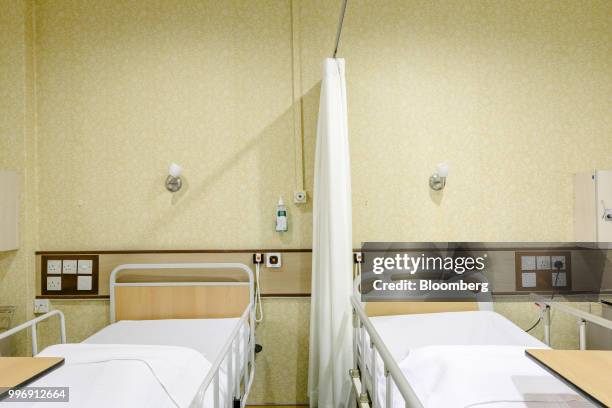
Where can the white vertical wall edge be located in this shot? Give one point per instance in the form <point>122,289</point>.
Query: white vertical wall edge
<point>9,211</point>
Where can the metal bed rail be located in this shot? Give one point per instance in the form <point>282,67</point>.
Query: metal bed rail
<point>546,305</point>
<point>31,324</point>
<point>237,373</point>
<point>393,374</point>
<point>240,366</point>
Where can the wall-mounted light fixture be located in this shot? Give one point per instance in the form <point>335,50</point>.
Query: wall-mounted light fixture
<point>173,181</point>
<point>437,181</point>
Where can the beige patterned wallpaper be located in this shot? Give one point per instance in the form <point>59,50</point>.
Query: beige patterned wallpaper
<point>17,150</point>
<point>514,95</point>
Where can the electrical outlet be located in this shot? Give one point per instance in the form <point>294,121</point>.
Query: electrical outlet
<point>69,267</point>
<point>41,306</point>
<point>559,279</point>
<point>54,283</point>
<point>54,267</point>
<point>85,267</point>
<point>543,262</point>
<point>555,259</point>
<point>273,260</point>
<point>300,197</point>
<point>84,283</point>
<point>258,258</point>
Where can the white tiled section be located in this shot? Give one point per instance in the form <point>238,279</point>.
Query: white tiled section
<point>70,267</point>
<point>559,281</point>
<point>528,263</point>
<point>54,267</point>
<point>557,258</point>
<point>85,266</point>
<point>84,283</point>
<point>528,280</point>
<point>54,283</point>
<point>543,262</point>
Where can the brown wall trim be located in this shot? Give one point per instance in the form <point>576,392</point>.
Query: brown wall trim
<point>295,295</point>
<point>174,251</point>
<point>307,295</point>
<point>304,250</point>
<point>64,297</point>
<point>86,297</point>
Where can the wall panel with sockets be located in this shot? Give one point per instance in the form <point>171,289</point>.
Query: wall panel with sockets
<point>69,275</point>
<point>543,271</point>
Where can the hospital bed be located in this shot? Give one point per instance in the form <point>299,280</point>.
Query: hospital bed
<point>174,340</point>
<point>452,354</point>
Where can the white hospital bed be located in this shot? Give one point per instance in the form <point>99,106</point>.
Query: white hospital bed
<point>183,362</point>
<point>453,359</point>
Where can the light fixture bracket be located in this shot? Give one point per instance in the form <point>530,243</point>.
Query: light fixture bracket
<point>173,184</point>
<point>436,182</point>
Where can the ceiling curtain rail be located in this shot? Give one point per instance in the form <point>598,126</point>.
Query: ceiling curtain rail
<point>340,24</point>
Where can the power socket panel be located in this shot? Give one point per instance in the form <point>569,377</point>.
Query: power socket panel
<point>273,260</point>
<point>41,306</point>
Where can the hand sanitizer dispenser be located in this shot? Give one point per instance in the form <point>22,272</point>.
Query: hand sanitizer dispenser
<point>281,216</point>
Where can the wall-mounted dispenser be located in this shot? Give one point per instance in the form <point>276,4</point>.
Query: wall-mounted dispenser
<point>281,216</point>
<point>593,206</point>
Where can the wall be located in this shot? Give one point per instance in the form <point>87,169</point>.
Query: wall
<point>515,96</point>
<point>123,89</point>
<point>126,88</point>
<point>17,153</point>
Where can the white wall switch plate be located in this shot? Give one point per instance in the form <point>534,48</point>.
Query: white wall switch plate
<point>543,262</point>
<point>41,306</point>
<point>559,281</point>
<point>84,283</point>
<point>54,267</point>
<point>273,260</point>
<point>528,263</point>
<point>528,279</point>
<point>69,267</point>
<point>85,267</point>
<point>554,259</point>
<point>300,197</point>
<point>54,283</point>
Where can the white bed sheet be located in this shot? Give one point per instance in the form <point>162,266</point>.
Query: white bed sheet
<point>404,332</point>
<point>206,336</point>
<point>482,376</point>
<point>124,376</point>
<point>203,337</point>
<point>406,336</point>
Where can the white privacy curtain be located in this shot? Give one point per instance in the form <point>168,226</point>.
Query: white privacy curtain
<point>331,316</point>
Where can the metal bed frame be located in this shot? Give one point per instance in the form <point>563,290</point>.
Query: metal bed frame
<point>364,378</point>
<point>240,366</point>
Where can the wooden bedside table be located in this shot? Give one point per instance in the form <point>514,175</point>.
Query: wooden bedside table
<point>19,371</point>
<point>587,371</point>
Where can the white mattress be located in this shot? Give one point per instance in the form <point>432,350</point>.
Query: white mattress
<point>153,363</point>
<point>410,338</point>
<point>204,335</point>
<point>404,332</point>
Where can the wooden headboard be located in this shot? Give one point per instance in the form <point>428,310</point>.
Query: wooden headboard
<point>174,297</point>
